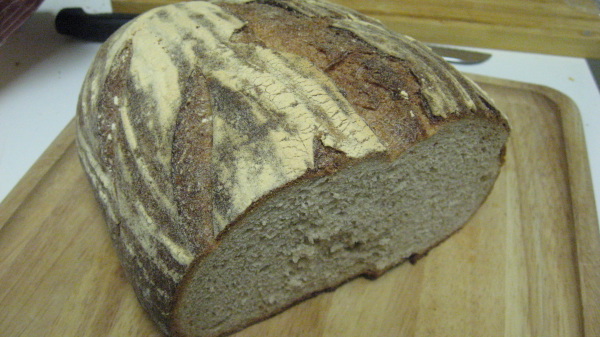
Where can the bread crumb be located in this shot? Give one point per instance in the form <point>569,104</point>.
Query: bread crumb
<point>404,94</point>
<point>303,251</point>
<point>295,282</point>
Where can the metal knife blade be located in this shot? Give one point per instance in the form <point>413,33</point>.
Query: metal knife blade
<point>460,56</point>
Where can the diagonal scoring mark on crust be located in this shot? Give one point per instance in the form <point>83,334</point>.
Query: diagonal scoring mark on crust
<point>281,97</point>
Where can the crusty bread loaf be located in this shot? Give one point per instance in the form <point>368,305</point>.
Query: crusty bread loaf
<point>250,154</point>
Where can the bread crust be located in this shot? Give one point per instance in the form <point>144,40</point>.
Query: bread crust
<point>182,103</point>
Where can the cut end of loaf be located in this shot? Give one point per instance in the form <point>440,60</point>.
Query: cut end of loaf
<point>323,231</point>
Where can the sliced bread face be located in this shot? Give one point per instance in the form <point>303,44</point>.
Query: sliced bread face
<point>317,234</point>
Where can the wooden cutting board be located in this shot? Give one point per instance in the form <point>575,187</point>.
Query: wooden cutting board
<point>527,263</point>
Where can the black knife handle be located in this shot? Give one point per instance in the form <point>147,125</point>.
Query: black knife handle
<point>91,27</point>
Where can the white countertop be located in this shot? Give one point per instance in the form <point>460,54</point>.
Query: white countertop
<point>42,74</point>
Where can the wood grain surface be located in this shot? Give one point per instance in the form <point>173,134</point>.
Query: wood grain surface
<point>560,27</point>
<point>527,263</point>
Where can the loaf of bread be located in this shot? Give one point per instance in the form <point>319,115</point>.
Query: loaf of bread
<point>251,154</point>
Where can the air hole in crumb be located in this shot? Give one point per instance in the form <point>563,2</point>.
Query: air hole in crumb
<point>354,246</point>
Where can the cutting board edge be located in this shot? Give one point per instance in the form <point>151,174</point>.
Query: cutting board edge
<point>585,217</point>
<point>36,173</point>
